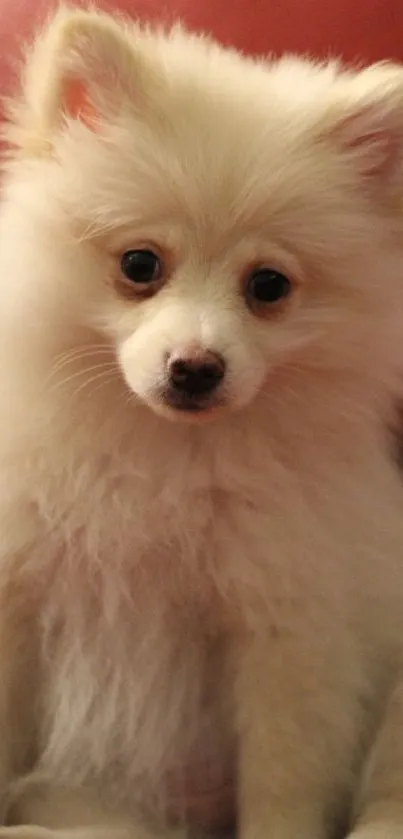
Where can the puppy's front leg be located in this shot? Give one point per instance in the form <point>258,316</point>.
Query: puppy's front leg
<point>18,674</point>
<point>43,810</point>
<point>296,730</point>
<point>379,805</point>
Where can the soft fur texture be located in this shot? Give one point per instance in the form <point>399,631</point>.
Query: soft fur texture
<point>207,610</point>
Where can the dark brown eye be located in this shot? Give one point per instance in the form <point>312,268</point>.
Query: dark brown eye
<point>141,267</point>
<point>265,285</point>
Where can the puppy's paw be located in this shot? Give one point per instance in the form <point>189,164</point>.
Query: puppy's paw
<point>109,831</point>
<point>26,831</point>
<point>384,830</point>
<point>32,831</point>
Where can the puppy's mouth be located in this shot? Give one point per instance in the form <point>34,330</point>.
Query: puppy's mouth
<point>189,402</point>
<point>190,407</point>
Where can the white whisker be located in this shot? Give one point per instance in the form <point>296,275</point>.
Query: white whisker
<point>78,354</point>
<point>105,367</point>
<point>107,375</point>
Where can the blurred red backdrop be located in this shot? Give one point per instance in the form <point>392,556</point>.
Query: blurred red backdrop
<point>366,31</point>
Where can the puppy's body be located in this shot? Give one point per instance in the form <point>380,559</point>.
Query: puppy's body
<point>199,615</point>
<point>142,648</point>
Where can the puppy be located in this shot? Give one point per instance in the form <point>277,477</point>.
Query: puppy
<point>201,333</point>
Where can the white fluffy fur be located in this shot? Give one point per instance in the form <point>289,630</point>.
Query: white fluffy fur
<point>181,597</point>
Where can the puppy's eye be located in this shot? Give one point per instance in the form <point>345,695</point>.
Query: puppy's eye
<point>141,267</point>
<point>266,285</point>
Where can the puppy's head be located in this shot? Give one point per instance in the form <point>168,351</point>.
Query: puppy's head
<point>215,219</point>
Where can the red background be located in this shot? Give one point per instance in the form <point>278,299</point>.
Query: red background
<point>366,30</point>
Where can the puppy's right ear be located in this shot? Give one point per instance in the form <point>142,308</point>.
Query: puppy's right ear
<point>84,66</point>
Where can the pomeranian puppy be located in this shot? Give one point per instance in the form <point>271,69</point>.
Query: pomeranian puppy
<point>201,329</point>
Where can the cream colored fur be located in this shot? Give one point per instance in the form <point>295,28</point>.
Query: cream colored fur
<point>192,597</point>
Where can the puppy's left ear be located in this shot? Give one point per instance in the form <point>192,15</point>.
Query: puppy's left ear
<point>367,122</point>
<point>84,66</point>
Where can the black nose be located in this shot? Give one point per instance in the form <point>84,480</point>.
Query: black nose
<point>196,375</point>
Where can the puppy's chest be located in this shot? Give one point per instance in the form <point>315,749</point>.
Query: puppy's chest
<point>136,625</point>
<point>172,541</point>
<point>142,710</point>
